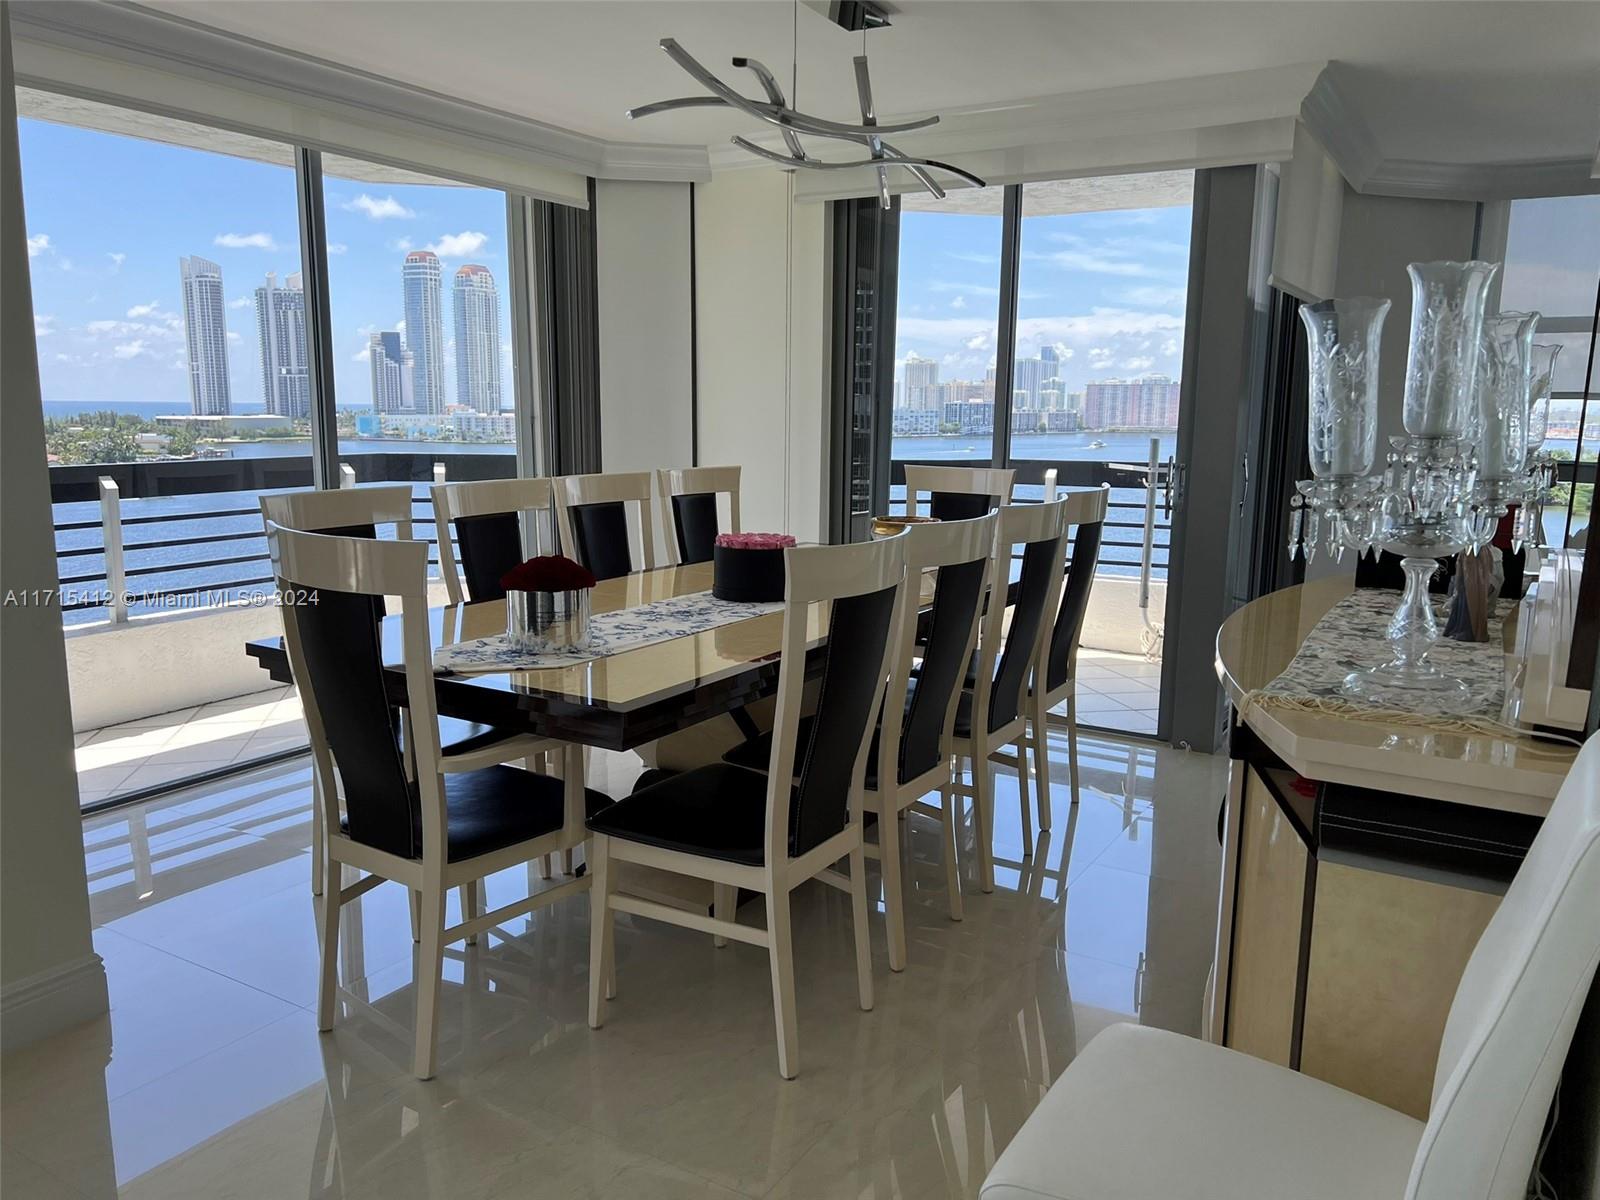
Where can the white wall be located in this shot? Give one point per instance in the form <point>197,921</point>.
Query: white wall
<point>764,401</point>
<point>50,976</point>
<point>643,278</point>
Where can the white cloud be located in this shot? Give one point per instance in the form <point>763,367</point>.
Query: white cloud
<point>337,248</point>
<point>362,355</point>
<point>959,302</point>
<point>245,241</point>
<point>39,244</point>
<point>117,258</point>
<point>460,245</point>
<point>1143,363</point>
<point>401,244</point>
<point>153,309</point>
<point>1153,296</point>
<point>238,302</point>
<point>379,209</point>
<point>129,349</point>
<point>41,325</point>
<point>234,337</point>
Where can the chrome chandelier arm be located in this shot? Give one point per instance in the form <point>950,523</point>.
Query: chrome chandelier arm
<point>661,106</point>
<point>869,119</point>
<point>817,164</point>
<point>775,94</point>
<point>799,121</point>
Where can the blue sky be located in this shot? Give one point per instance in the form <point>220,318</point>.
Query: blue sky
<point>109,216</point>
<point>1107,288</point>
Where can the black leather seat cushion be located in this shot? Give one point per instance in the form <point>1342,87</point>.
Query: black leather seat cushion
<point>756,753</point>
<point>497,807</point>
<point>716,811</point>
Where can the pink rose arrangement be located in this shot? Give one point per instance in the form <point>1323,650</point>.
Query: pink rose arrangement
<point>755,541</point>
<point>548,573</point>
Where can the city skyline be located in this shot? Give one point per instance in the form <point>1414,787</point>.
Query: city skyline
<point>109,306</point>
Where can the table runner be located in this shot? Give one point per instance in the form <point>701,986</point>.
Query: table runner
<point>610,633</point>
<point>1352,635</point>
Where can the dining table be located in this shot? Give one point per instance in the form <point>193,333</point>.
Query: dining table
<point>618,702</point>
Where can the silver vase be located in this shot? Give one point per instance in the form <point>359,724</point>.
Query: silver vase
<point>548,622</point>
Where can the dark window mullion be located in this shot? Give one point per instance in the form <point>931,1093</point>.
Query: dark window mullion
<point>1005,358</point>
<point>319,323</point>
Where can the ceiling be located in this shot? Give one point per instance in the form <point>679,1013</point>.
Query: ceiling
<point>1431,80</point>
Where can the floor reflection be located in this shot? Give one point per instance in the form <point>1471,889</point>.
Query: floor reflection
<point>209,1078</point>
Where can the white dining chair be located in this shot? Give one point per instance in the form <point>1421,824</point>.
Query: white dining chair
<point>955,493</point>
<point>364,512</point>
<point>405,819</point>
<point>769,833</point>
<point>1144,1114</point>
<point>913,747</point>
<point>993,713</point>
<point>689,499</point>
<point>597,515</point>
<point>1085,517</point>
<point>483,517</point>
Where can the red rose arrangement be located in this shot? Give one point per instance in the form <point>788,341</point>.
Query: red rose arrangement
<point>548,573</point>
<point>755,541</point>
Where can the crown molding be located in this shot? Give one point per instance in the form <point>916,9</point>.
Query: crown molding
<point>177,45</point>
<point>1350,142</point>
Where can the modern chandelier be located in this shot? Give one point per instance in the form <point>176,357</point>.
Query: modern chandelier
<point>775,110</point>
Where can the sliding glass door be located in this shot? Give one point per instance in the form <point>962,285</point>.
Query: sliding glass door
<point>1041,327</point>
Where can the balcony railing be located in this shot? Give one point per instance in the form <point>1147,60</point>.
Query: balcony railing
<point>182,534</point>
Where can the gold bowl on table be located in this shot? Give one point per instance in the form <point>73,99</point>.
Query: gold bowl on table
<point>884,527</point>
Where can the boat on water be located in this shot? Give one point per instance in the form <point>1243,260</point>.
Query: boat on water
<point>1097,444</point>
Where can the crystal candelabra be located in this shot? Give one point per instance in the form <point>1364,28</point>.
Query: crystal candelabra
<point>1463,460</point>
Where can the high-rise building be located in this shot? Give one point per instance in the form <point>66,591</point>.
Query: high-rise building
<point>1147,403</point>
<point>393,369</point>
<point>477,312</point>
<point>1027,381</point>
<point>205,325</point>
<point>281,334</point>
<point>424,302</point>
<point>921,381</point>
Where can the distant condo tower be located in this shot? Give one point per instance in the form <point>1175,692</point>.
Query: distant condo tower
<point>281,332</point>
<point>425,330</point>
<point>206,331</point>
<point>477,309</point>
<point>392,371</point>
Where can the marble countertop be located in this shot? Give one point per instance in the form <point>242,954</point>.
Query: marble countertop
<point>1257,642</point>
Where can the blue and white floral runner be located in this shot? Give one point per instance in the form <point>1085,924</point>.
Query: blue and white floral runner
<point>1352,636</point>
<point>609,633</point>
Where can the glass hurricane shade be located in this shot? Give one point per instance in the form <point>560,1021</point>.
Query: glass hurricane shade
<point>1342,339</point>
<point>1447,307</point>
<point>1541,372</point>
<point>1500,424</point>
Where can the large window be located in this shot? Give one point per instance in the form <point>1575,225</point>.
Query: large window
<point>185,370</point>
<point>947,327</point>
<point>1552,266</point>
<point>172,350</point>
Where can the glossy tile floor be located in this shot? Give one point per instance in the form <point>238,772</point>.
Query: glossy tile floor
<point>209,1078</point>
<point>169,746</point>
<point>1118,691</point>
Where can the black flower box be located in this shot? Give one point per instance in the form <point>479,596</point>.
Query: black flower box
<point>747,576</point>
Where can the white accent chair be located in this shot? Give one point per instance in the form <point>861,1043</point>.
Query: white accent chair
<point>993,713</point>
<point>407,820</point>
<point>593,517</point>
<point>362,512</point>
<point>955,493</point>
<point>689,516</point>
<point>1143,1114</point>
<point>484,515</point>
<point>770,833</point>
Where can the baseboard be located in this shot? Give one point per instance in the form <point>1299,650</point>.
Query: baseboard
<point>36,1007</point>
